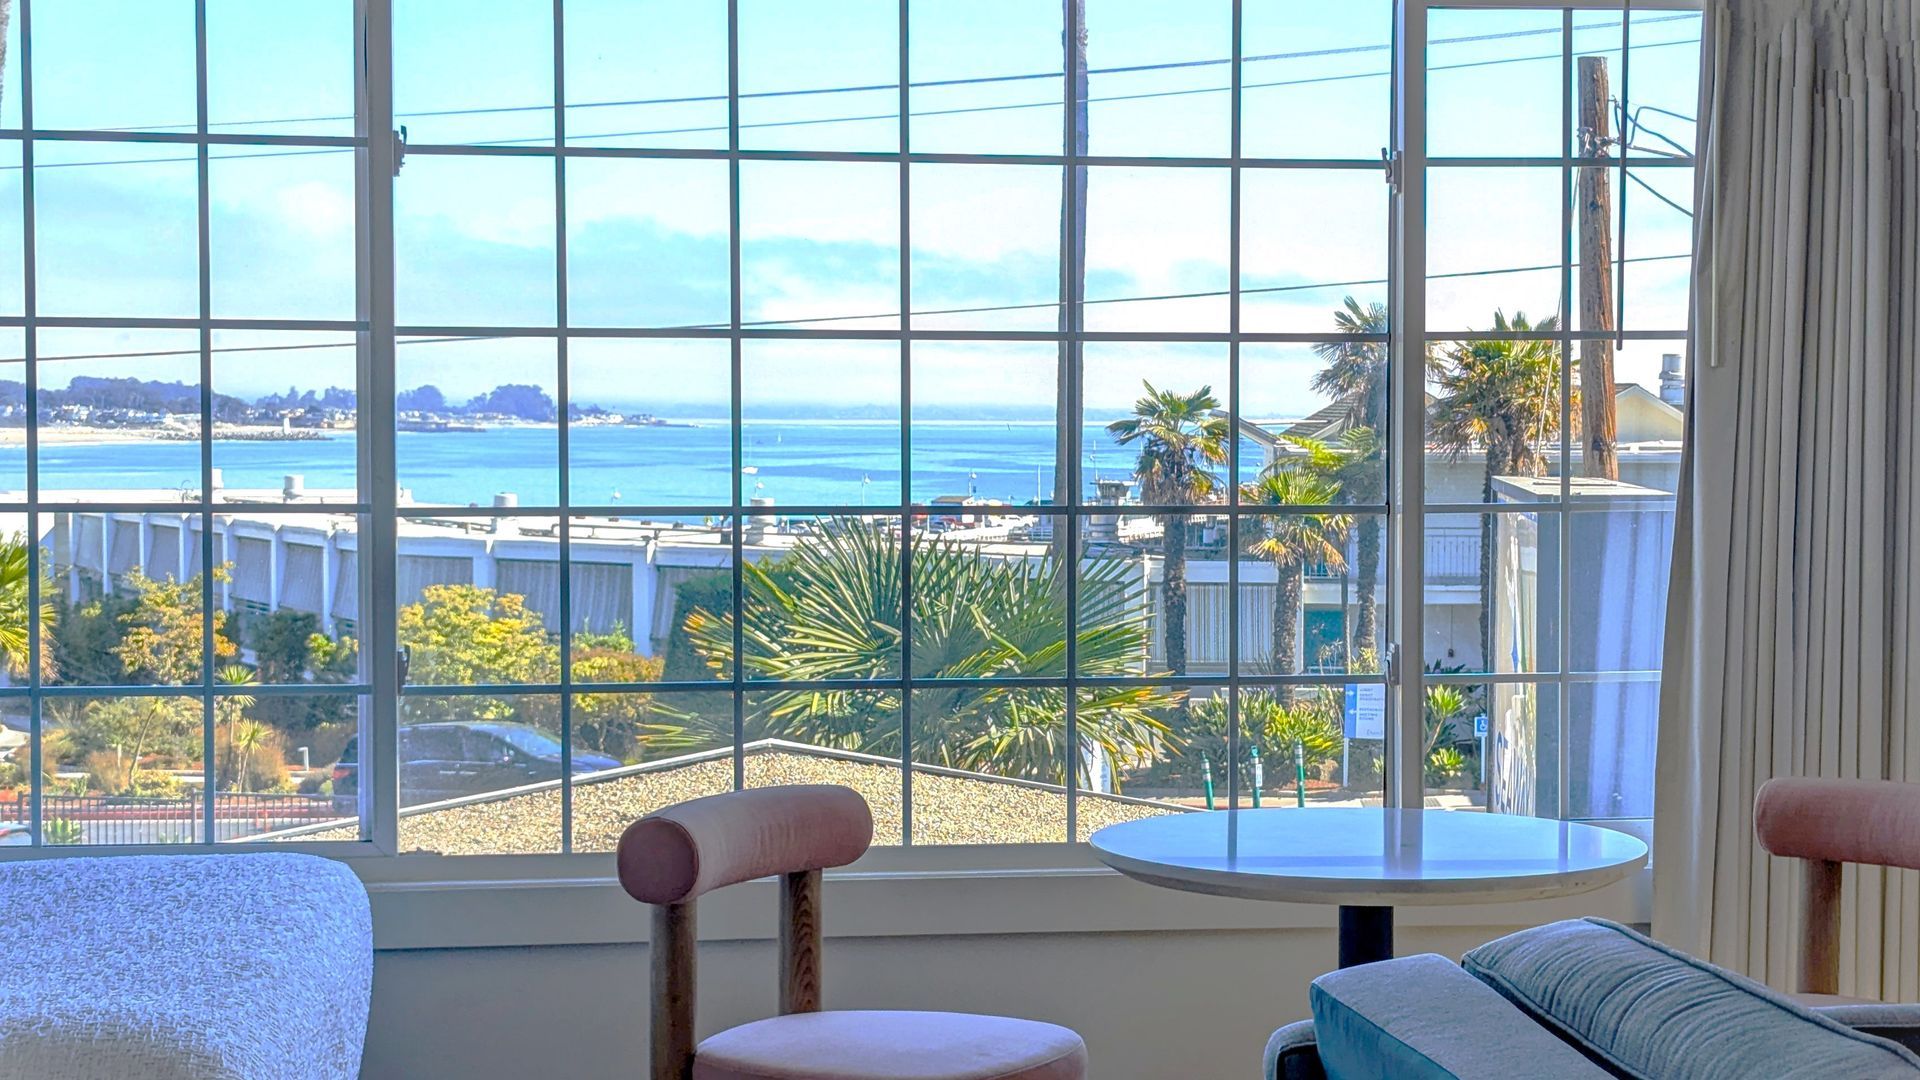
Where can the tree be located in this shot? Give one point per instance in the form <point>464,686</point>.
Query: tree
<point>462,635</point>
<point>1502,398</point>
<point>830,610</point>
<point>1357,372</point>
<point>626,722</point>
<point>16,624</point>
<point>1292,542</point>
<point>1182,437</point>
<point>163,632</point>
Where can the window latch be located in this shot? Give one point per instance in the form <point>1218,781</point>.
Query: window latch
<point>1390,165</point>
<point>399,149</point>
<point>406,661</point>
<point>1393,664</point>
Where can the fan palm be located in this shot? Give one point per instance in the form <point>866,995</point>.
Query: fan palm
<point>1292,542</point>
<point>1357,373</point>
<point>16,626</point>
<point>1500,397</point>
<point>830,610</point>
<point>1183,438</point>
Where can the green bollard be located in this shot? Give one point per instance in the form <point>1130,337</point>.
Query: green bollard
<point>1259,775</point>
<point>1207,767</point>
<point>1299,774</point>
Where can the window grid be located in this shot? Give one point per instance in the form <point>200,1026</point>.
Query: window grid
<point>1072,336</point>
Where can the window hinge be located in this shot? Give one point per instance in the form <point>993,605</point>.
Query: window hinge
<point>406,661</point>
<point>1390,164</point>
<point>399,149</point>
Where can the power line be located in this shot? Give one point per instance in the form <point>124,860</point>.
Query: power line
<point>1128,69</point>
<point>707,129</point>
<point>851,318</point>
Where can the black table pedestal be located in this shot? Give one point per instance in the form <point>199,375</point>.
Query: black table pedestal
<point>1366,934</point>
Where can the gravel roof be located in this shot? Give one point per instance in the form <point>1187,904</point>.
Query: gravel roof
<point>949,806</point>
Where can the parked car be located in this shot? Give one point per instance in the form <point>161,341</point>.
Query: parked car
<point>450,759</point>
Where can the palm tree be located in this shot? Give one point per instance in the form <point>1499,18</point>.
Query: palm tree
<point>16,627</point>
<point>1183,438</point>
<point>1502,398</point>
<point>1292,542</point>
<point>830,610</point>
<point>1357,373</point>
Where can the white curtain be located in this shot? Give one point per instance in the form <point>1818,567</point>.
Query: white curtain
<point>1795,613</point>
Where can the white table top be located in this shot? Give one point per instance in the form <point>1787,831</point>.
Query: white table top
<point>1369,856</point>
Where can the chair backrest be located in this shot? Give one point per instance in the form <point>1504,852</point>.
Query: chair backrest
<point>1827,823</point>
<point>670,858</point>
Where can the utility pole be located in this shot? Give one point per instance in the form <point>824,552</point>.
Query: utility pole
<point>1068,403</point>
<point>1598,457</point>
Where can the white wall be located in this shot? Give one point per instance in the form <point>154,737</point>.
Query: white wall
<point>1152,1006</point>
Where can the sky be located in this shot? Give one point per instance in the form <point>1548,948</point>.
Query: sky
<point>647,240</point>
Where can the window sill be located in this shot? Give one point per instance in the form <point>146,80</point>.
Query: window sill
<point>431,902</point>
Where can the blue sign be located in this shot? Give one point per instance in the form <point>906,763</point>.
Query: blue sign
<point>1366,711</point>
<point>1480,726</point>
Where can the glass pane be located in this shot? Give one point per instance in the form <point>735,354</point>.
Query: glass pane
<point>116,229</point>
<point>647,243</point>
<point>822,423</point>
<point>285,416</point>
<point>287,585</point>
<point>1185,765</point>
<point>984,437</point>
<point>1308,603</point>
<point>119,415</point>
<point>982,607</point>
<point>1297,752</point>
<point>816,580</point>
<point>10,76</point>
<point>282,234</point>
<point>437,50</point>
<point>1157,245</point>
<point>1301,229</point>
<point>477,422</point>
<point>126,590</point>
<point>1664,91</point>
<point>1658,265</point>
<point>474,241</point>
<point>1124,603</point>
<point>481,775</point>
<point>986,77</point>
<point>277,761</point>
<point>284,69</point>
<point>1157,430</point>
<point>1493,83</point>
<point>1597,74</point>
<point>986,247</point>
<point>1493,247</point>
<point>1617,617</point>
<point>1501,605</point>
<point>12,231</point>
<point>13,415</point>
<point>16,773</point>
<point>646,73</point>
<point>1320,406</point>
<point>1316,80</point>
<point>1494,424</point>
<point>851,739</point>
<point>820,244</point>
<point>127,770</point>
<point>475,613</point>
<point>646,596</point>
<point>114,64</point>
<point>649,422</point>
<point>820,77</point>
<point>1649,392</point>
<point>1610,742</point>
<point>685,752</point>
<point>1159,73</point>
<point>1492,747</point>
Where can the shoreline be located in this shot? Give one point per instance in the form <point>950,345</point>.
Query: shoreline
<point>86,435</point>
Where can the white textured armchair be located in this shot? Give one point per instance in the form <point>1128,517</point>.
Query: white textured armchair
<point>169,967</point>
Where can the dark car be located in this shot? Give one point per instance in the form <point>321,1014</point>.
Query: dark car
<point>447,760</point>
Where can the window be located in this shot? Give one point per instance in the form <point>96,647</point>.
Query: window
<point>720,395</point>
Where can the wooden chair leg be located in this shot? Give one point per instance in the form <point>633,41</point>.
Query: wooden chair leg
<point>672,954</point>
<point>1820,927</point>
<point>800,942</point>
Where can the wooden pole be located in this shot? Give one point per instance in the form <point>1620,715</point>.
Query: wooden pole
<point>1819,926</point>
<point>1599,457</point>
<point>800,942</point>
<point>671,950</point>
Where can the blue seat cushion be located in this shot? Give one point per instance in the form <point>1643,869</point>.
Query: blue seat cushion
<point>1645,1010</point>
<point>1422,1018</point>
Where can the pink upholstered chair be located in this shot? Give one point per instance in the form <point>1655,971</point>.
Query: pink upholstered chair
<point>671,858</point>
<point>1826,823</point>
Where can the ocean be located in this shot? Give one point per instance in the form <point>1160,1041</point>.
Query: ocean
<point>792,462</point>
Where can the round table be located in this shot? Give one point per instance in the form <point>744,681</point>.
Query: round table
<point>1368,861</point>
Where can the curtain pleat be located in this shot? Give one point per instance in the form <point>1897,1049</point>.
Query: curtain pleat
<point>1797,544</point>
